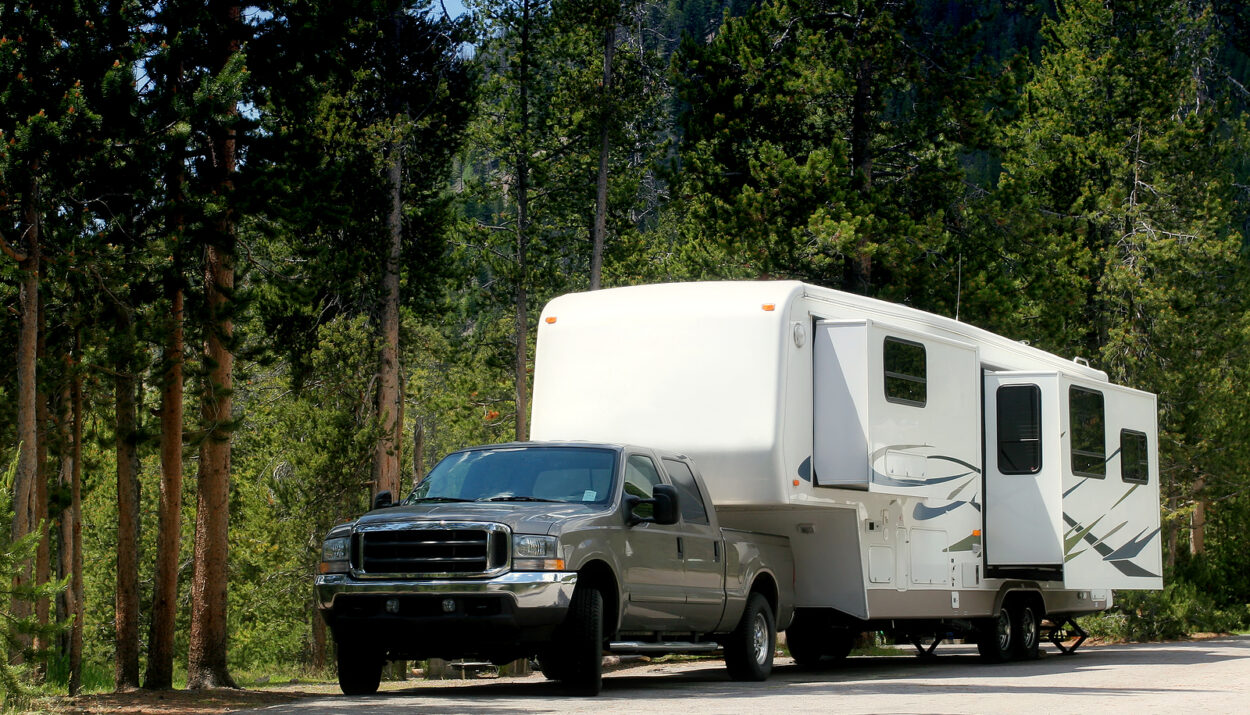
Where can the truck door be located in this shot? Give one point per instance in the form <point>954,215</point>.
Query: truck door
<point>1023,471</point>
<point>653,570</point>
<point>701,551</point>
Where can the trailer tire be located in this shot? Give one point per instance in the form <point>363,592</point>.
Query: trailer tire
<point>360,668</point>
<point>749,649</point>
<point>996,637</point>
<point>804,645</point>
<point>1026,627</point>
<point>580,663</point>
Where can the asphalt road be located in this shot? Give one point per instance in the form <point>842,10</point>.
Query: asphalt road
<point>1208,676</point>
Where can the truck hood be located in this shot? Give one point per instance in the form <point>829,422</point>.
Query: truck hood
<point>521,517</point>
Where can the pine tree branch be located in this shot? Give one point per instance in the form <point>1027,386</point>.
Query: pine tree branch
<point>10,251</point>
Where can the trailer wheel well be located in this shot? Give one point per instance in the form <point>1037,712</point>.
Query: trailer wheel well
<point>599,575</point>
<point>1027,596</point>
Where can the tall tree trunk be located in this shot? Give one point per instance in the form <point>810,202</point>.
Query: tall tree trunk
<point>601,183</point>
<point>207,665</point>
<point>418,451</point>
<point>521,361</point>
<point>390,404</point>
<point>75,546</point>
<point>1198,537</point>
<point>24,482</point>
<point>126,610</point>
<point>169,532</point>
<point>39,515</point>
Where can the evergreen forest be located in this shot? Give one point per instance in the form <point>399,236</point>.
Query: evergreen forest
<point>261,260</point>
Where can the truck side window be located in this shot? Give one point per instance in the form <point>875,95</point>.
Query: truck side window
<point>1089,437</point>
<point>905,380</point>
<point>1134,457</point>
<point>640,478</point>
<point>1019,429</point>
<point>688,497</point>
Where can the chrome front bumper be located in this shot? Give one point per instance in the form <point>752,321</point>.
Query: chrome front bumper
<point>531,590</point>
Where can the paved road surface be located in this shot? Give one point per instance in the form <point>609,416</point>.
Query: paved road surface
<point>1211,676</point>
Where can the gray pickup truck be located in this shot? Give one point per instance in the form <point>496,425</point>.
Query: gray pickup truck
<point>556,550</point>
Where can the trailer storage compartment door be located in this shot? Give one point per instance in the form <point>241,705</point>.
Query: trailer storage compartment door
<point>1023,472</point>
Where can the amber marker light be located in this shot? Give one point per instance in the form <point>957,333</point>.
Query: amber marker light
<point>769,307</point>
<point>551,320</point>
<point>796,482</point>
<point>976,532</point>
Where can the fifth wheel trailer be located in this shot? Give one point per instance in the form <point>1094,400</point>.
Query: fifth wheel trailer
<point>935,480</point>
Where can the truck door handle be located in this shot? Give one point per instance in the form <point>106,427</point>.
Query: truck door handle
<point>715,552</point>
<point>681,552</point>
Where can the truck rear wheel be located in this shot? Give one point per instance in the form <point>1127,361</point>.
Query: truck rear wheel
<point>580,661</point>
<point>996,636</point>
<point>360,669</point>
<point>749,649</point>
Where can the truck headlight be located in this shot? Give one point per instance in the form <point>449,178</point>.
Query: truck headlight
<point>535,553</point>
<point>336,555</point>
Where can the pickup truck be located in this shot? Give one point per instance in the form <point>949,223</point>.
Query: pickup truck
<point>560,551</point>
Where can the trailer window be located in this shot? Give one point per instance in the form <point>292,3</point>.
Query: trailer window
<point>904,363</point>
<point>1134,457</point>
<point>1019,429</point>
<point>640,479</point>
<point>688,498</point>
<point>1089,438</point>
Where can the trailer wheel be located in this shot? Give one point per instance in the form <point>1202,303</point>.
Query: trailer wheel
<point>552,664</point>
<point>995,637</point>
<point>749,649</point>
<point>360,669</point>
<point>804,644</point>
<point>580,664</point>
<point>1027,631</point>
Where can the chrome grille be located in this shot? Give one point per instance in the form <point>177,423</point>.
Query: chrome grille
<point>431,550</point>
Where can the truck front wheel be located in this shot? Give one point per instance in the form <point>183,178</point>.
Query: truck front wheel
<point>749,649</point>
<point>360,669</point>
<point>580,664</point>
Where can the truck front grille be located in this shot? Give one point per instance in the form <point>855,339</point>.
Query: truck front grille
<point>433,550</point>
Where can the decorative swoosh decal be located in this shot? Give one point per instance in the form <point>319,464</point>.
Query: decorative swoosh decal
<point>1132,548</point>
<point>924,513</point>
<point>1117,557</point>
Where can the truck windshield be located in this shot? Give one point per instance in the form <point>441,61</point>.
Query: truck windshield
<point>558,474</point>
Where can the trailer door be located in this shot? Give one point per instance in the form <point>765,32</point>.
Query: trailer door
<point>1023,471</point>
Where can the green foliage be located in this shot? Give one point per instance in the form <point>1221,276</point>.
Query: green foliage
<point>1181,609</point>
<point>16,632</point>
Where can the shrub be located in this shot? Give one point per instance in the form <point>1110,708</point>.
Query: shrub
<point>1179,610</point>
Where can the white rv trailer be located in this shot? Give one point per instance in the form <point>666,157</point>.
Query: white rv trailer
<point>934,479</point>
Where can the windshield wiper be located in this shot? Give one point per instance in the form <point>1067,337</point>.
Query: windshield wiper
<point>439,499</point>
<point>519,498</point>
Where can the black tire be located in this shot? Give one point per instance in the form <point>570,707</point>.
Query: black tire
<point>360,669</point>
<point>749,649</point>
<point>552,664</point>
<point>804,645</point>
<point>581,644</point>
<point>841,641</point>
<point>1026,634</point>
<point>996,637</point>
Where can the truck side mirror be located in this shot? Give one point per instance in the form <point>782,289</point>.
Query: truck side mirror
<point>382,499</point>
<point>665,498</point>
<point>663,503</point>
